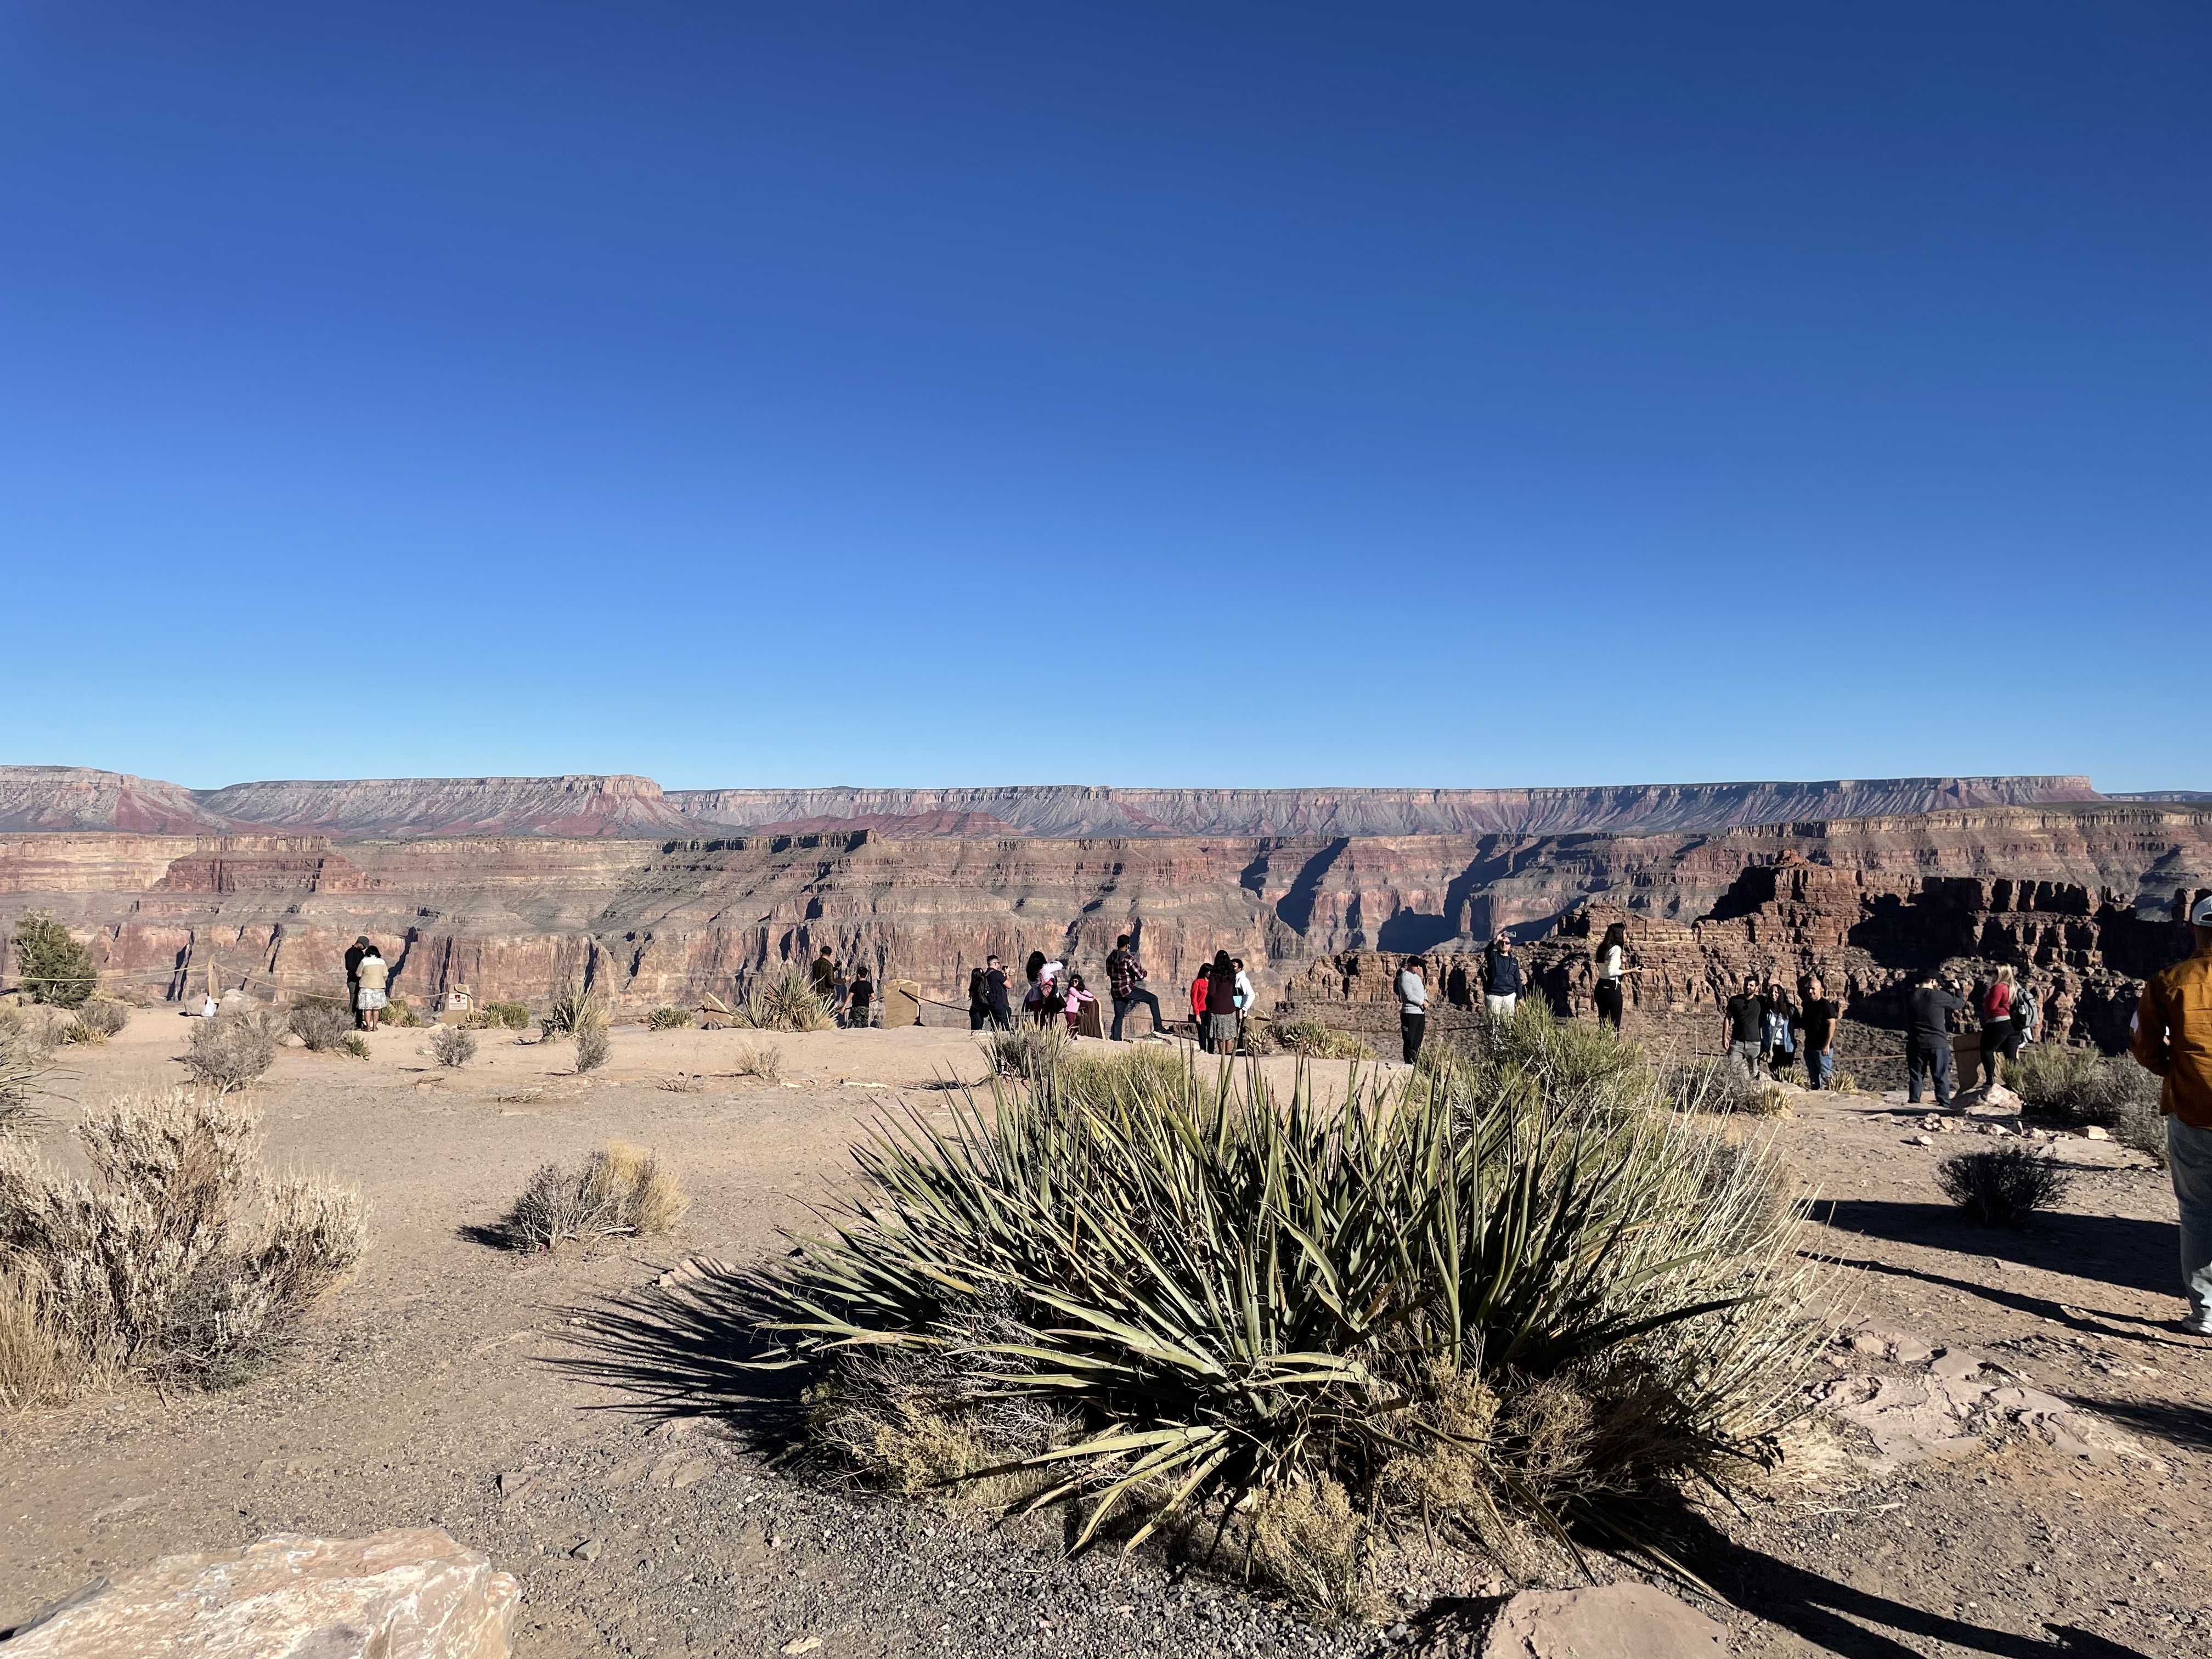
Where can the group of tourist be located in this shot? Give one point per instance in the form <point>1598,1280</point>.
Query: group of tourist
<point>1761,1027</point>
<point>1055,995</point>
<point>2008,1007</point>
<point>851,999</point>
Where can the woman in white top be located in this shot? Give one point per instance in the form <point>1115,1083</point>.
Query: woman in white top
<point>1612,969</point>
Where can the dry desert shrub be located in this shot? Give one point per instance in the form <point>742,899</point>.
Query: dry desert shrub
<point>2002,1187</point>
<point>99,1019</point>
<point>1259,1037</point>
<point>2081,1087</point>
<point>452,1047</point>
<point>398,1011</point>
<point>181,1259</point>
<point>1519,1297</point>
<point>321,1024</point>
<point>230,1051</point>
<point>592,1047</point>
<point>763,1061</point>
<point>619,1190</point>
<point>787,1002</point>
<point>669,1019</point>
<point>1314,1040</point>
<point>22,1065</point>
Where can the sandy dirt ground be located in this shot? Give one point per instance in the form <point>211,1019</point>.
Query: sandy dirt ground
<point>430,1391</point>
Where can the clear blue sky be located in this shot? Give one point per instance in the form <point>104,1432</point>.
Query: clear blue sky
<point>1263,394</point>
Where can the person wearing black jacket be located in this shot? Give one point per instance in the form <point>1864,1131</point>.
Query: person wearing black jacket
<point>994,994</point>
<point>1928,1038</point>
<point>1501,989</point>
<point>979,999</point>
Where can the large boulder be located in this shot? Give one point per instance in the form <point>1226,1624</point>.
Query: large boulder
<point>411,1593</point>
<point>1602,1621</point>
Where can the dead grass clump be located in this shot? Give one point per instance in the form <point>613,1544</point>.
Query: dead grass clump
<point>1310,1541</point>
<point>592,1047</point>
<point>99,1019</point>
<point>230,1051</point>
<point>2081,1087</point>
<point>764,1061</point>
<point>321,1024</point>
<point>38,1367</point>
<point>22,1065</point>
<point>1314,1040</point>
<point>619,1190</point>
<point>669,1019</point>
<point>182,1259</point>
<point>2003,1187</point>
<point>787,1002</point>
<point>452,1047</point>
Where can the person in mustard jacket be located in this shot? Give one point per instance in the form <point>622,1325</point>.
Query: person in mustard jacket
<point>2173,1038</point>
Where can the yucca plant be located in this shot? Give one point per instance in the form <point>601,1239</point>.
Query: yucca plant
<point>788,1002</point>
<point>575,1010</point>
<point>1152,1293</point>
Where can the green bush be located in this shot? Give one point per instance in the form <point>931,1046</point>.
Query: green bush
<point>505,1016</point>
<point>669,1019</point>
<point>50,965</point>
<point>1487,1300</point>
<point>398,1011</point>
<point>576,1011</point>
<point>2002,1187</point>
<point>1027,1051</point>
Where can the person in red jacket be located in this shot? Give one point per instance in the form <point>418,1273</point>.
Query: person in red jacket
<point>1197,991</point>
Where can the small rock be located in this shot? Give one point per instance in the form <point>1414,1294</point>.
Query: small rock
<point>513,1483</point>
<point>588,1551</point>
<point>2097,1132</point>
<point>1922,1141</point>
<point>802,1644</point>
<point>691,1472</point>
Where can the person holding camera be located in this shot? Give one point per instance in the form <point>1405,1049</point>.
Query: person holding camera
<point>1928,1007</point>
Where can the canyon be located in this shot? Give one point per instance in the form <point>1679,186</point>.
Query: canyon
<point>2082,889</point>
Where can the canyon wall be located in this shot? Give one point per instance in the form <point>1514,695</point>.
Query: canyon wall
<point>2078,887</point>
<point>78,798</point>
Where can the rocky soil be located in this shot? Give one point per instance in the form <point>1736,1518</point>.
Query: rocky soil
<point>2014,1461</point>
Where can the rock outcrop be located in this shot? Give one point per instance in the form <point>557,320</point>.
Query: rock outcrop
<point>408,1594</point>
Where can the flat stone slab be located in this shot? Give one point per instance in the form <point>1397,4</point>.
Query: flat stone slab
<point>412,1593</point>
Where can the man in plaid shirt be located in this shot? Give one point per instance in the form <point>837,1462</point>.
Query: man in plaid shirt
<point>1124,977</point>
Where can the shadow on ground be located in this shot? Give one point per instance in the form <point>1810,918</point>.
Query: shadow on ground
<point>1858,1624</point>
<point>2134,1255</point>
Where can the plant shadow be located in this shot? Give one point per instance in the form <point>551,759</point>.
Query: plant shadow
<point>2120,1250</point>
<point>695,1349</point>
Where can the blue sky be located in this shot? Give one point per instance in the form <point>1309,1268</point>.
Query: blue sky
<point>1184,394</point>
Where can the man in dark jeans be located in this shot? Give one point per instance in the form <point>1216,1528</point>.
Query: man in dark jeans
<point>1125,977</point>
<point>1744,1037</point>
<point>1927,1038</point>
<point>994,991</point>
<point>1412,1007</point>
<point>1822,1015</point>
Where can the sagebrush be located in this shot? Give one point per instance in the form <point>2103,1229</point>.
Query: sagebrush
<point>22,1065</point>
<point>97,1020</point>
<point>618,1190</point>
<point>182,1259</point>
<point>592,1048</point>
<point>321,1024</point>
<point>2004,1187</point>
<point>230,1051</point>
<point>1515,1294</point>
<point>2081,1087</point>
<point>452,1047</point>
<point>763,1061</point>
